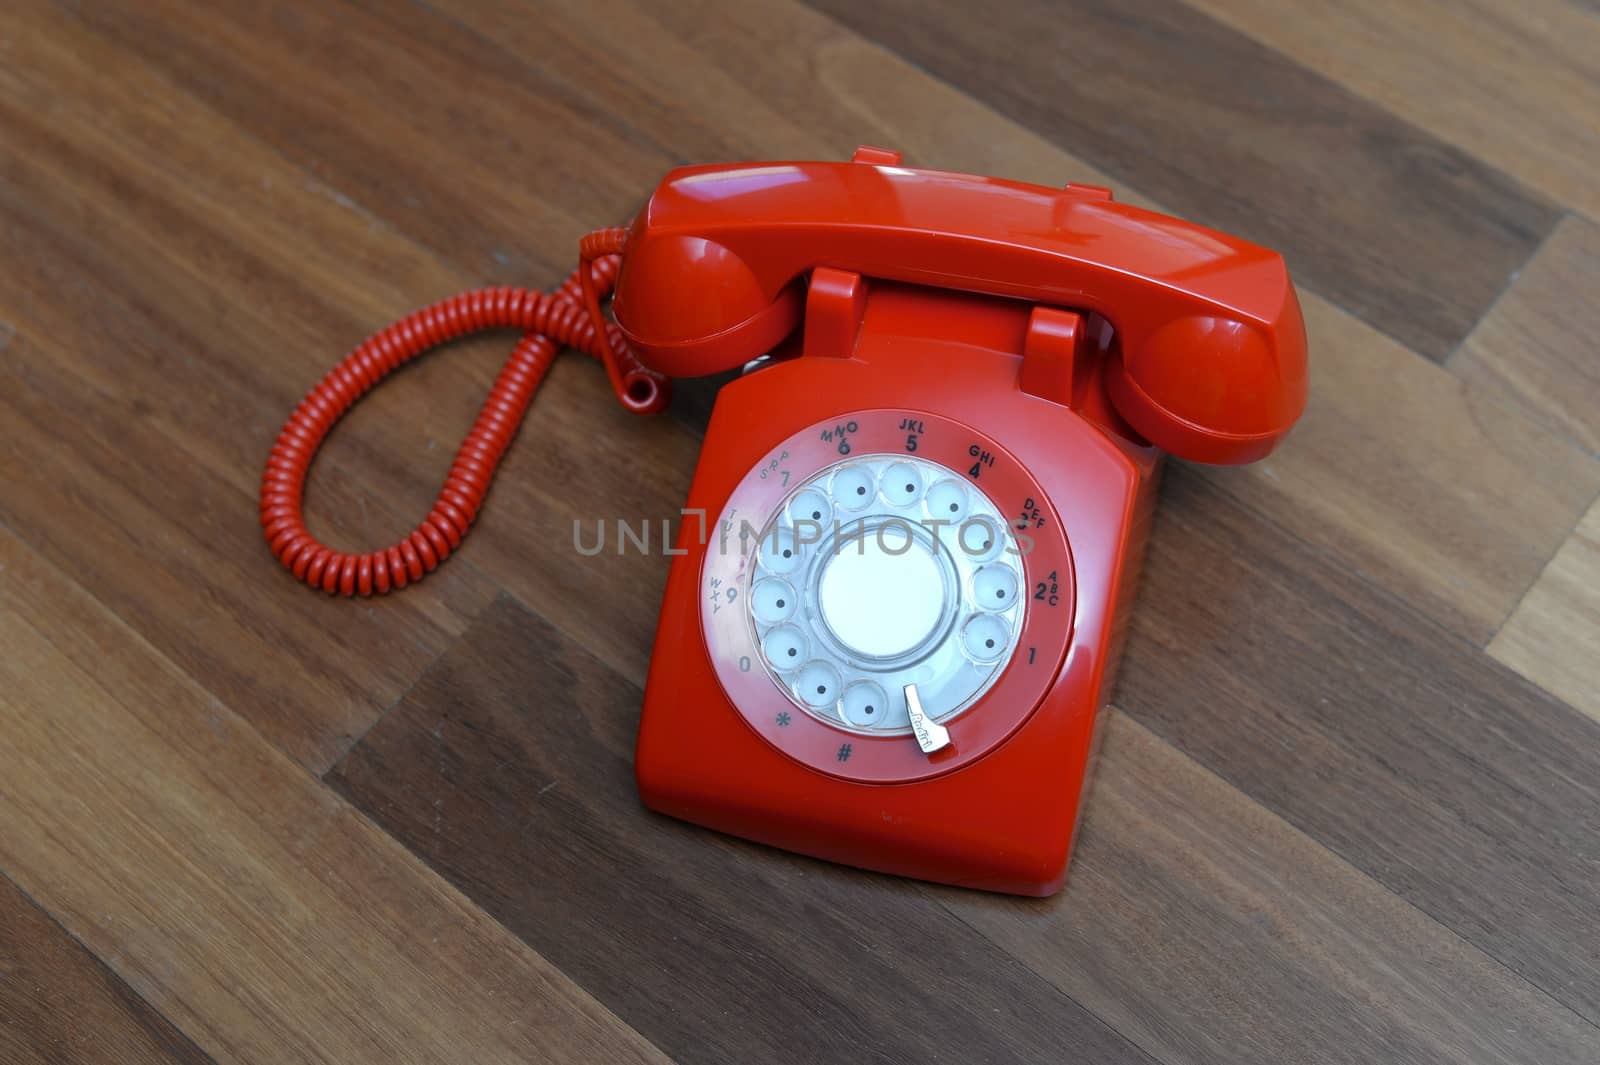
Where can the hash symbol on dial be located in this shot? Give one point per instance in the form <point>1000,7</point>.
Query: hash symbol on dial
<point>844,753</point>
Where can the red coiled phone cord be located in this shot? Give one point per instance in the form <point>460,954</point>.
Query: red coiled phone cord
<point>568,317</point>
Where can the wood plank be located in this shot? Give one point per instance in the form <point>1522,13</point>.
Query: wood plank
<point>677,70</point>
<point>500,173</point>
<point>1553,637</point>
<point>132,157</point>
<point>129,250</point>
<point>1403,749</point>
<point>1207,929</point>
<point>1516,86</point>
<point>173,255</point>
<point>508,767</point>
<point>175,549</point>
<point>1412,235</point>
<point>171,204</point>
<point>1537,345</point>
<point>227,887</point>
<point>1440,492</point>
<point>57,1003</point>
<point>1391,466</point>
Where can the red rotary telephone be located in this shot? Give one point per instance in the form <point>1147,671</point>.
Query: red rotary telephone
<point>924,503</point>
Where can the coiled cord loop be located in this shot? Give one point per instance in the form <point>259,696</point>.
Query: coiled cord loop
<point>568,317</point>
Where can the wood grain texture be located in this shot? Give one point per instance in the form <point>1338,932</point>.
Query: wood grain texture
<point>509,771</point>
<point>579,455</point>
<point>1329,825</point>
<point>180,233</point>
<point>168,545</point>
<point>1207,929</point>
<point>1540,344</point>
<point>1553,638</point>
<point>1517,86</point>
<point>1409,234</point>
<point>58,1003</point>
<point>512,774</point>
<point>1438,491</point>
<point>1447,778</point>
<point>259,912</point>
<point>381,95</point>
<point>185,316</point>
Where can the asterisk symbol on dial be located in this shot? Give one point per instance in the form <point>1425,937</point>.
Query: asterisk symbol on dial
<point>783,719</point>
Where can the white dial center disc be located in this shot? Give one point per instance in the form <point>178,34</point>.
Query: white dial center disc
<point>882,594</point>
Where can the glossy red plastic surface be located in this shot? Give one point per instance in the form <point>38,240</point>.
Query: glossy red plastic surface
<point>1004,819</point>
<point>1209,360</point>
<point>1058,330</point>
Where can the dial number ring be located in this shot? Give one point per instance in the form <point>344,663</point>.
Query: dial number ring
<point>845,745</point>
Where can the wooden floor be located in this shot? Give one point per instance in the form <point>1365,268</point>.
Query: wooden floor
<point>1349,808</point>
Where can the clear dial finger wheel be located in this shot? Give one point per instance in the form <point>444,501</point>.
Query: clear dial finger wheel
<point>878,573</point>
<point>886,595</point>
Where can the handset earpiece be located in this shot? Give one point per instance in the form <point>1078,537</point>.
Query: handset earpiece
<point>690,306</point>
<point>1210,388</point>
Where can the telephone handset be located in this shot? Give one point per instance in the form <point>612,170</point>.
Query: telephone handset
<point>895,607</point>
<point>1209,362</point>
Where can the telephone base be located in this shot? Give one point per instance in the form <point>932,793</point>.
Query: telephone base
<point>726,742</point>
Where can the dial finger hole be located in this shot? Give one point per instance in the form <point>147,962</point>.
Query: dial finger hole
<point>780,550</point>
<point>947,501</point>
<point>786,648</point>
<point>817,684</point>
<point>994,587</point>
<point>902,484</point>
<point>853,488</point>
<point>772,600</point>
<point>984,637</point>
<point>980,539</point>
<point>864,704</point>
<point>811,505</point>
